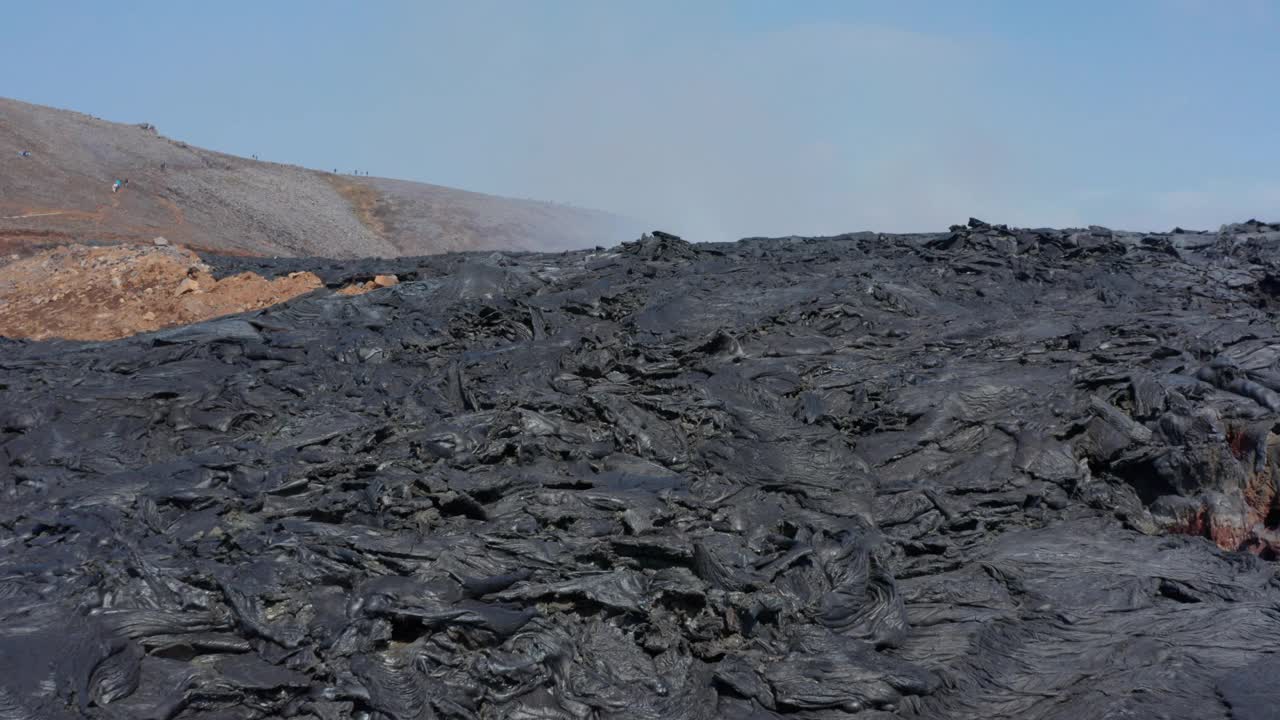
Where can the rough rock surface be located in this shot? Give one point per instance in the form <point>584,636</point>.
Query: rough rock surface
<point>990,473</point>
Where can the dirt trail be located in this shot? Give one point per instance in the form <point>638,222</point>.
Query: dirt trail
<point>364,202</point>
<point>179,218</point>
<point>102,293</point>
<point>32,215</point>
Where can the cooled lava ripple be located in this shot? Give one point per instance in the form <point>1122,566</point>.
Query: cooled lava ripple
<point>987,473</point>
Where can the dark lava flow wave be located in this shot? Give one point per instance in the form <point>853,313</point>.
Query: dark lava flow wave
<point>990,473</point>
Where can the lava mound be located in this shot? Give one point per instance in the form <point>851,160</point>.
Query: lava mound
<point>988,473</point>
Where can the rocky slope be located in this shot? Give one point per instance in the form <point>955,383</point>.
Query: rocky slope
<point>986,473</point>
<point>60,191</point>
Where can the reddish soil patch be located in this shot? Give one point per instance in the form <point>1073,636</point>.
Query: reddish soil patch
<point>379,281</point>
<point>102,293</point>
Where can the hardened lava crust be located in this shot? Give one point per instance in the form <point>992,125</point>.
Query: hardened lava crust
<point>986,473</point>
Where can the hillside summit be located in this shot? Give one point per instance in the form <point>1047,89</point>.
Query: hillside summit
<point>57,168</point>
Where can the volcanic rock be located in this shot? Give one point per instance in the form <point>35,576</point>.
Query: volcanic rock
<point>987,473</point>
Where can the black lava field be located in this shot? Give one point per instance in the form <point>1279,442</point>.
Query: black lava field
<point>985,473</point>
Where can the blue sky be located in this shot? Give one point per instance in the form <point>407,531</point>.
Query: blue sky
<point>715,120</point>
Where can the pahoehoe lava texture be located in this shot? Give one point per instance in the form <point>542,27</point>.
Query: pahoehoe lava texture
<point>990,473</point>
